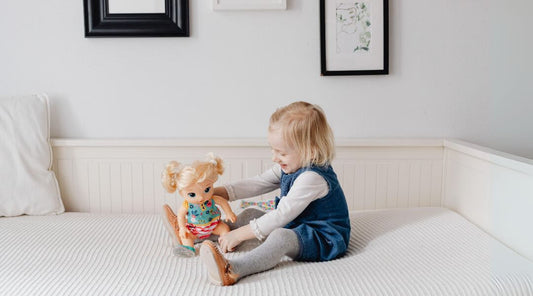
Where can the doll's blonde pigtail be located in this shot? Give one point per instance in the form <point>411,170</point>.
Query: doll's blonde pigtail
<point>169,176</point>
<point>209,169</point>
<point>216,162</point>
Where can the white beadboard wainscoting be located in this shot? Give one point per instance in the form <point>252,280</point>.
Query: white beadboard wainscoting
<point>123,176</point>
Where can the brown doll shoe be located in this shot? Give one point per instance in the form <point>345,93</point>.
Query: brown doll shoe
<point>171,224</point>
<point>218,268</point>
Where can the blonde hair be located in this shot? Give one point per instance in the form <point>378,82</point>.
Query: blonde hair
<point>176,176</point>
<point>305,128</point>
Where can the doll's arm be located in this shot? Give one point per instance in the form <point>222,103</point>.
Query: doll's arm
<point>222,202</point>
<point>182,221</point>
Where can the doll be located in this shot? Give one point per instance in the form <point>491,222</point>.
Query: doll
<point>198,217</point>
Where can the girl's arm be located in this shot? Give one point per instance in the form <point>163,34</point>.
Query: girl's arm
<point>260,184</point>
<point>308,187</point>
<point>222,192</point>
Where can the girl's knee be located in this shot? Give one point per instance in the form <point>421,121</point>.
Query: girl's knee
<point>251,213</point>
<point>245,217</point>
<point>282,233</point>
<point>286,240</point>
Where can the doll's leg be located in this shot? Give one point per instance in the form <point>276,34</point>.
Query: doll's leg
<point>186,249</point>
<point>281,242</point>
<point>180,248</point>
<point>171,223</point>
<point>222,228</point>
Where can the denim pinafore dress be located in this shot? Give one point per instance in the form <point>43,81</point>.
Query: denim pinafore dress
<point>323,228</point>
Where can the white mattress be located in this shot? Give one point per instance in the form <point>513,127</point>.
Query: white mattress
<point>421,251</point>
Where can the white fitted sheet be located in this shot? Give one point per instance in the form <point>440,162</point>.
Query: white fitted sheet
<point>419,251</point>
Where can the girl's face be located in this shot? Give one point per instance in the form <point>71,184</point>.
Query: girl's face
<point>283,154</point>
<point>198,193</point>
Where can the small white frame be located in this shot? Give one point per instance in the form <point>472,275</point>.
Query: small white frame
<point>249,4</point>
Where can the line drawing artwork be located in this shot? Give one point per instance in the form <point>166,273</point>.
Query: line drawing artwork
<point>353,27</point>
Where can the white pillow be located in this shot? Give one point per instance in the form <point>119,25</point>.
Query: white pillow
<point>27,183</point>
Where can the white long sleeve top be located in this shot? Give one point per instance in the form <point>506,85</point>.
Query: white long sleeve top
<point>307,187</point>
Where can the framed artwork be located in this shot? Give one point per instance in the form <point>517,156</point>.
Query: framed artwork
<point>249,4</point>
<point>136,18</point>
<point>354,37</point>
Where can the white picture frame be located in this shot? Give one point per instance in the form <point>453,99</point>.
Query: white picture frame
<point>249,4</point>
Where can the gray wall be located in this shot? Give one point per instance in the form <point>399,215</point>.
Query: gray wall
<point>459,69</point>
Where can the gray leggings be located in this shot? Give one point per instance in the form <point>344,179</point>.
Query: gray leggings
<point>281,242</point>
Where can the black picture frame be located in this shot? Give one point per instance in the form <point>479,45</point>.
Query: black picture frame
<point>100,23</point>
<point>382,61</point>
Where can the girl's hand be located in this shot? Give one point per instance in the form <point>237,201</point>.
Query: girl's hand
<point>229,241</point>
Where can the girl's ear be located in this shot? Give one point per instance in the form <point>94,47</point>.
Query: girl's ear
<point>169,176</point>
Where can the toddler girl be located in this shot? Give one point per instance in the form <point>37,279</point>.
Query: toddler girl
<point>310,222</point>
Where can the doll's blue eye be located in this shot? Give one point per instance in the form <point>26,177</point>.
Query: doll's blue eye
<point>192,194</point>
<point>207,189</point>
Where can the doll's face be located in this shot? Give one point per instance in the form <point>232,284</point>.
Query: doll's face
<point>198,193</point>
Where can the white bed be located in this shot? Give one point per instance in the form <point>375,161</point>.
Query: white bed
<point>429,216</point>
<point>418,251</point>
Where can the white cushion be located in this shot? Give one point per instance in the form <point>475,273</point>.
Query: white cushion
<point>28,185</point>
